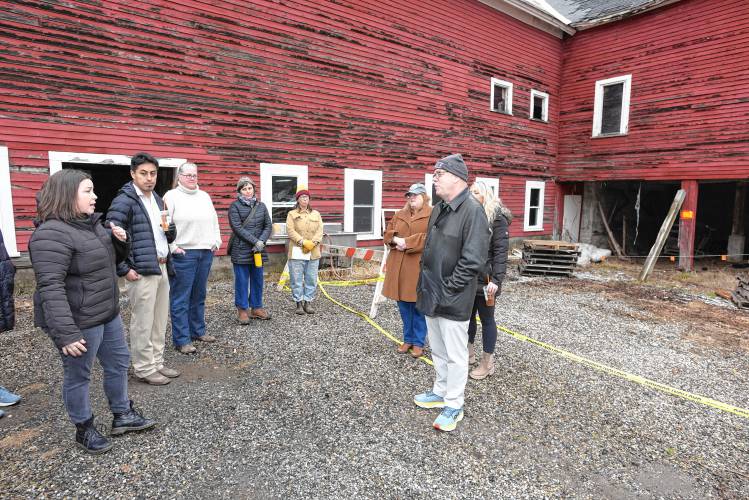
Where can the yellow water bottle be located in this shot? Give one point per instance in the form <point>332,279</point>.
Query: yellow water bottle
<point>258,259</point>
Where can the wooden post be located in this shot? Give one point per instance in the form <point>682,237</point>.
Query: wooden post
<point>655,251</point>
<point>688,225</point>
<point>612,239</point>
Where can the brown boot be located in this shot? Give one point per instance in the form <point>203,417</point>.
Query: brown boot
<point>259,313</point>
<point>242,316</point>
<point>471,354</point>
<point>308,307</point>
<point>485,367</point>
<point>299,308</point>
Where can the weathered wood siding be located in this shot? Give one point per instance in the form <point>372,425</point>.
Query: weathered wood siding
<point>386,84</point>
<point>690,95</point>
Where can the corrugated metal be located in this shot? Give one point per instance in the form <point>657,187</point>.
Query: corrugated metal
<point>389,85</point>
<point>689,107</point>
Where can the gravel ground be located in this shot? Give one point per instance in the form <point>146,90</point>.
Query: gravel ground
<point>321,407</point>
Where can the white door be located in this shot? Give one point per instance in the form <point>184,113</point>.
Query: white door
<point>573,204</point>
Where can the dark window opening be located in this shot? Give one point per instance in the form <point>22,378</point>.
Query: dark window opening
<point>500,98</point>
<point>108,179</point>
<point>538,107</point>
<point>611,112</point>
<point>283,197</point>
<point>363,206</point>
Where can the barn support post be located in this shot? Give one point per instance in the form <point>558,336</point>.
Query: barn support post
<point>737,240</point>
<point>687,225</point>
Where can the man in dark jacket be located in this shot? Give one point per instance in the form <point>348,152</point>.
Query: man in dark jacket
<point>455,250</point>
<point>138,210</point>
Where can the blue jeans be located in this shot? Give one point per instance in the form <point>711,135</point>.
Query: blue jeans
<point>414,324</point>
<point>303,278</point>
<point>248,274</point>
<point>187,289</point>
<point>106,342</point>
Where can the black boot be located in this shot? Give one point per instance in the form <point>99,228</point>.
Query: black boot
<point>308,307</point>
<point>130,421</point>
<point>90,439</point>
<point>299,308</point>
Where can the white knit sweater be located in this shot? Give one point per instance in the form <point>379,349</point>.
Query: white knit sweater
<point>196,220</point>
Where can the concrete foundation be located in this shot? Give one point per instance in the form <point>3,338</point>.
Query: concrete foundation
<point>736,244</point>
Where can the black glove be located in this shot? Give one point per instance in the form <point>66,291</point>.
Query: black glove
<point>171,234</point>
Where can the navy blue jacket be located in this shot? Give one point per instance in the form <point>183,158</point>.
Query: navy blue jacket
<point>259,228</point>
<point>7,274</point>
<point>128,212</point>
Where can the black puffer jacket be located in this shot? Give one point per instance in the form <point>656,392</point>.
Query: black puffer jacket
<point>76,278</point>
<point>496,263</point>
<point>128,212</point>
<point>455,252</point>
<point>259,228</point>
<point>7,275</point>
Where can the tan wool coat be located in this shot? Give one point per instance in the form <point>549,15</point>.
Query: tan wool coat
<point>402,268</point>
<point>304,225</point>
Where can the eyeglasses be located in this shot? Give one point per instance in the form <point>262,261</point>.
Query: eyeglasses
<point>190,176</point>
<point>438,173</point>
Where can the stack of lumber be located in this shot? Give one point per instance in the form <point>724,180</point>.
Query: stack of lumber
<point>548,258</point>
<point>741,295</point>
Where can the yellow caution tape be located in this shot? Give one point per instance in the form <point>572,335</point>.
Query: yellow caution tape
<point>696,398</point>
<point>370,321</point>
<point>742,412</point>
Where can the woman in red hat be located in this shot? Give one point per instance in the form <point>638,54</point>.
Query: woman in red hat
<point>304,227</point>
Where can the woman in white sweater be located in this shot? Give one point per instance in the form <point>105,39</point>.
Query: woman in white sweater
<point>198,238</point>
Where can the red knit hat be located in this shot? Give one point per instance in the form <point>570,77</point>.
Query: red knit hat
<point>302,190</point>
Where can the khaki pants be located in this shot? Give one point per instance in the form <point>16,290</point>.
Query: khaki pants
<point>448,341</point>
<point>149,302</point>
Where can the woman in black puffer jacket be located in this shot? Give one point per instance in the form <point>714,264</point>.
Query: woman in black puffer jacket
<point>491,278</point>
<point>251,227</point>
<point>77,302</point>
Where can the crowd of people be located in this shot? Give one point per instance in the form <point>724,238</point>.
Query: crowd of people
<point>446,264</point>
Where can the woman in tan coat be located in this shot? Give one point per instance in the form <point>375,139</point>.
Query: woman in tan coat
<point>305,228</point>
<point>406,234</point>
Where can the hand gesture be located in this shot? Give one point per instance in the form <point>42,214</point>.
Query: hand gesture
<point>118,232</point>
<point>178,251</point>
<point>75,349</point>
<point>491,288</point>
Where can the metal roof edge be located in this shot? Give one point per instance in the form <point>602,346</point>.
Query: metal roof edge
<point>549,21</point>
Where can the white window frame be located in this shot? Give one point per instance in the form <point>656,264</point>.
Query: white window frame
<point>508,86</point>
<point>492,182</point>
<point>349,175</point>
<point>598,105</point>
<point>57,158</point>
<point>544,106</point>
<point>270,170</point>
<point>529,185</point>
<point>428,184</point>
<point>7,221</point>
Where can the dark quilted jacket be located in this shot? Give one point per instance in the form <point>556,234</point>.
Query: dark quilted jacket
<point>7,274</point>
<point>128,212</point>
<point>76,278</point>
<point>496,264</point>
<point>259,228</point>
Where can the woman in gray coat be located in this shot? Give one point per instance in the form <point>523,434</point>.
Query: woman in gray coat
<point>77,302</point>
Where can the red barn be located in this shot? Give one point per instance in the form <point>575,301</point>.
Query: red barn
<point>359,99</point>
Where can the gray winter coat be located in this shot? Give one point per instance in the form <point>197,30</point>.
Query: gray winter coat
<point>257,229</point>
<point>76,278</point>
<point>455,251</point>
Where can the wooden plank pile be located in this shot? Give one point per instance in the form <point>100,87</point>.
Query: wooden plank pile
<point>741,295</point>
<point>548,258</point>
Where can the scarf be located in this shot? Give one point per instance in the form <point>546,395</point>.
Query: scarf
<point>186,190</point>
<point>247,201</point>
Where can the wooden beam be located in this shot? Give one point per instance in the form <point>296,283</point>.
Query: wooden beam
<point>688,225</point>
<point>612,239</point>
<point>655,251</point>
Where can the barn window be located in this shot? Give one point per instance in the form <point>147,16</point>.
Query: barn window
<point>278,185</point>
<point>534,206</point>
<point>491,182</point>
<point>539,106</point>
<point>429,185</point>
<point>363,203</point>
<point>7,222</point>
<point>501,96</point>
<point>611,108</point>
